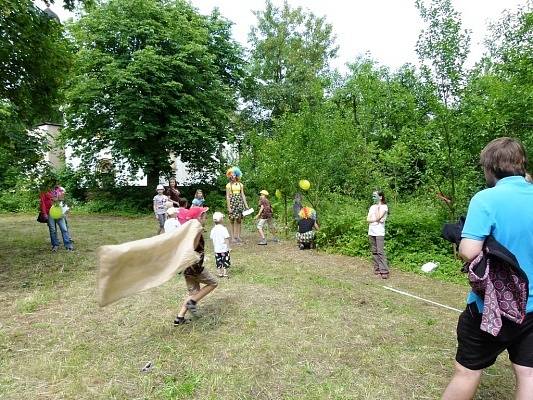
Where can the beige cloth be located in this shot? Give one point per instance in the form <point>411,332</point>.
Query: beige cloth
<point>131,267</point>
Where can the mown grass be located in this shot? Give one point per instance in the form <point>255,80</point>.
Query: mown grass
<point>288,324</point>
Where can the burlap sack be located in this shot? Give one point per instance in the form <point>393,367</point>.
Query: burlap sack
<point>131,267</point>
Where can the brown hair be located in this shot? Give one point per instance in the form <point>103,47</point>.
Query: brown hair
<point>382,195</point>
<point>504,157</point>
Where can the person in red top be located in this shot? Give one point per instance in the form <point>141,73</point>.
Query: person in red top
<point>47,199</point>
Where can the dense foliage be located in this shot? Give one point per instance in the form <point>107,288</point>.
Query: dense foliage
<point>151,78</point>
<point>34,56</point>
<point>414,132</point>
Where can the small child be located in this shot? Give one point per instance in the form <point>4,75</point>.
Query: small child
<point>220,237</point>
<point>182,210</point>
<point>265,216</point>
<point>306,228</point>
<point>160,209</point>
<point>196,274</point>
<point>172,223</point>
<point>60,192</point>
<point>198,200</point>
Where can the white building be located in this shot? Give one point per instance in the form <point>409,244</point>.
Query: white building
<point>58,157</point>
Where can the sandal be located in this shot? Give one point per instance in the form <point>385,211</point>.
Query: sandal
<point>180,321</point>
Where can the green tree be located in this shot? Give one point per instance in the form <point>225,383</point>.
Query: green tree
<point>152,78</point>
<point>388,111</point>
<point>442,48</point>
<point>290,55</point>
<point>34,58</point>
<point>498,96</point>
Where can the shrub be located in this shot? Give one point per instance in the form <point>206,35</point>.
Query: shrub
<point>18,200</point>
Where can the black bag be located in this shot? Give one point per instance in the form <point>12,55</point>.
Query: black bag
<point>42,218</point>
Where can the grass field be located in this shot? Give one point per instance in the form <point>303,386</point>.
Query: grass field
<point>288,324</point>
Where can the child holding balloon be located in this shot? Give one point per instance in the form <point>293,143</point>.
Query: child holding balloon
<point>51,210</point>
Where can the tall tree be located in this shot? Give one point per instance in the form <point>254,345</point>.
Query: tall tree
<point>442,48</point>
<point>497,99</point>
<point>150,78</point>
<point>34,58</point>
<point>291,50</point>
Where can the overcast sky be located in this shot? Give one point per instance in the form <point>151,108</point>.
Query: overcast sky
<point>387,29</point>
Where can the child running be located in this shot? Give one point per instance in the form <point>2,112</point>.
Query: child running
<point>265,216</point>
<point>220,237</point>
<point>160,210</point>
<point>196,274</point>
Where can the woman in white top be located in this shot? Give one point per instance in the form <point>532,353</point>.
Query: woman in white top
<point>376,233</point>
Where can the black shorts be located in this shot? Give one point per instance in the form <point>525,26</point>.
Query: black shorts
<point>223,260</point>
<point>477,349</point>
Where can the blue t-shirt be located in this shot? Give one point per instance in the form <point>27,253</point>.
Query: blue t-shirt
<point>506,212</point>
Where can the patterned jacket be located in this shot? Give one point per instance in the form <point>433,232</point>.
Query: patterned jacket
<point>496,276</point>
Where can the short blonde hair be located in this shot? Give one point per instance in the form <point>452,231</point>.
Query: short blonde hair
<point>504,157</point>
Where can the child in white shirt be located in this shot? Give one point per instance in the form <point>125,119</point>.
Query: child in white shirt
<point>172,223</point>
<point>220,237</point>
<point>160,210</point>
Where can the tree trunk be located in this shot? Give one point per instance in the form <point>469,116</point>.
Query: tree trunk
<point>152,179</point>
<point>286,221</point>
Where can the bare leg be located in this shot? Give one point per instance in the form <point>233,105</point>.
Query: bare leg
<point>232,229</point>
<point>238,229</point>
<point>464,384</point>
<point>261,233</point>
<point>524,382</point>
<point>196,297</point>
<point>199,295</point>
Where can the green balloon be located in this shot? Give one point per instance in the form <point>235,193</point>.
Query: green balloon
<point>56,212</point>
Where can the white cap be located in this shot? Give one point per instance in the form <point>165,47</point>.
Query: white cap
<point>218,216</point>
<point>172,211</point>
<point>160,187</point>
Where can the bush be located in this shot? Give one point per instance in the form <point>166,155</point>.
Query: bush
<point>216,201</point>
<point>18,200</point>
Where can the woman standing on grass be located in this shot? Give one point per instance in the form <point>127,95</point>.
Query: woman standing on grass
<point>236,202</point>
<point>47,198</point>
<point>172,192</point>
<point>376,233</point>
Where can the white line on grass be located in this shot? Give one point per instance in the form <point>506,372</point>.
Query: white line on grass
<point>420,298</point>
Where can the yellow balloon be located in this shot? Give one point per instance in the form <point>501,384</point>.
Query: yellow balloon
<point>278,193</point>
<point>56,212</point>
<point>304,184</point>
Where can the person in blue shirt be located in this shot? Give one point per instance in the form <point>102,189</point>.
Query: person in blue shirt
<point>505,211</point>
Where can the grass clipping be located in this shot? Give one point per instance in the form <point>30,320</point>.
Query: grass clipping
<point>132,267</point>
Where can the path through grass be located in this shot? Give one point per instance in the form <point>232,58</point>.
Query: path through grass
<point>288,324</point>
